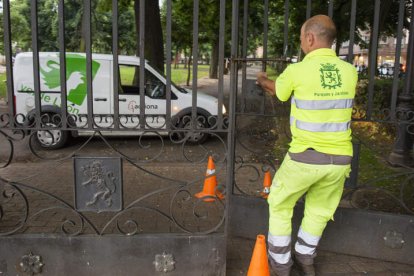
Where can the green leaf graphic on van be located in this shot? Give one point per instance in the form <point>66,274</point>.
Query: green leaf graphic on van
<point>75,76</point>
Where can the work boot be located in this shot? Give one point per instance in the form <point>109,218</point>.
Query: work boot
<point>305,264</point>
<point>280,269</point>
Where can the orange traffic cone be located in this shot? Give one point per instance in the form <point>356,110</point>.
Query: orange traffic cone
<point>259,265</point>
<point>210,184</point>
<point>267,182</point>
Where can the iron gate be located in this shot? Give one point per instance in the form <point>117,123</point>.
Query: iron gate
<point>375,218</point>
<point>111,206</point>
<point>152,223</point>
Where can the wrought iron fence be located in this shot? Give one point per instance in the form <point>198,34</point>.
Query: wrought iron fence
<point>382,115</point>
<point>130,192</point>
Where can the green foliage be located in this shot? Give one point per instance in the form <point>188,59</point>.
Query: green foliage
<point>382,93</point>
<point>48,26</point>
<point>20,25</point>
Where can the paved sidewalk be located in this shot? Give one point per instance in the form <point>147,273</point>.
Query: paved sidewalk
<point>239,251</point>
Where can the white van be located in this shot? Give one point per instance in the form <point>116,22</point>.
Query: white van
<point>103,105</point>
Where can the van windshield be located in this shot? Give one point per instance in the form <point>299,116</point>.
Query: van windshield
<point>172,83</point>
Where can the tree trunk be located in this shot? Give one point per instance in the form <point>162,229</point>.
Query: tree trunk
<point>213,74</point>
<point>185,59</point>
<point>154,47</point>
<point>177,58</point>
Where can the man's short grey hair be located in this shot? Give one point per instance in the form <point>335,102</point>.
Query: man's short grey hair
<point>322,26</point>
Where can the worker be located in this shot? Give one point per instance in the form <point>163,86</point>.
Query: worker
<point>321,89</point>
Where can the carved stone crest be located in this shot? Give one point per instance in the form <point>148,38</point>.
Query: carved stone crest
<point>98,184</point>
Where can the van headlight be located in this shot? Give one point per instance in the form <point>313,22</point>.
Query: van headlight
<point>224,109</point>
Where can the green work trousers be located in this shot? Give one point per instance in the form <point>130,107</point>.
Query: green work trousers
<point>323,185</point>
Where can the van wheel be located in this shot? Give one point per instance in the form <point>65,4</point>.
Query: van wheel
<point>53,138</point>
<point>195,137</point>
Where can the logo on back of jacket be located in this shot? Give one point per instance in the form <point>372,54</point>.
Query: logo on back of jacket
<point>330,76</point>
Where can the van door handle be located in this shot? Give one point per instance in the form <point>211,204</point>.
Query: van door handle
<point>100,99</point>
<point>122,100</point>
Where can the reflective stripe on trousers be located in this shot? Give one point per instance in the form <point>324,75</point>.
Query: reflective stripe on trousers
<point>306,243</point>
<point>279,248</point>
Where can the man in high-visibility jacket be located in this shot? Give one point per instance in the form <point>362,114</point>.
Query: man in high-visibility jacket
<point>322,89</point>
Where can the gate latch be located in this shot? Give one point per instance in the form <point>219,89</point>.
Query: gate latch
<point>164,262</point>
<point>394,239</point>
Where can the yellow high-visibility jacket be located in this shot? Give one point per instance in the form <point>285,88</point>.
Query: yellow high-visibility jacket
<point>322,90</point>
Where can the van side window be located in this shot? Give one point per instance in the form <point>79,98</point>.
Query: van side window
<point>129,79</point>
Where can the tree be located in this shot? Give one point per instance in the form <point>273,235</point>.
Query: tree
<point>154,47</point>
<point>181,25</point>
<point>20,26</point>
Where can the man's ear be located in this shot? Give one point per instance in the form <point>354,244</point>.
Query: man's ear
<point>311,39</point>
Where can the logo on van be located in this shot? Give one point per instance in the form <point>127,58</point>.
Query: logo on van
<point>132,106</point>
<point>75,76</point>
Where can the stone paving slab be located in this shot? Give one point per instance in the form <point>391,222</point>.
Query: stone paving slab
<point>239,251</point>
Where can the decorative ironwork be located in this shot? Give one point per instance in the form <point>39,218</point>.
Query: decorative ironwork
<point>31,264</point>
<point>20,211</point>
<point>164,262</point>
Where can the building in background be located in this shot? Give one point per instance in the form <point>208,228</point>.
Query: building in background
<point>386,50</point>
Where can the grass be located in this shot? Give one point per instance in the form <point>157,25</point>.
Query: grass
<point>179,75</point>
<point>2,86</point>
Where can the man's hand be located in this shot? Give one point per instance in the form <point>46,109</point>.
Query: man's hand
<point>267,84</point>
<point>261,77</point>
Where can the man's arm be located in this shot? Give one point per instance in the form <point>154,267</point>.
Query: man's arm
<point>267,84</point>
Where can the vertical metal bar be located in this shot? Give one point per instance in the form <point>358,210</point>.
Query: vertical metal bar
<point>330,8</point>
<point>286,29</point>
<point>396,79</point>
<point>232,108</point>
<point>221,63</point>
<point>142,64</point>
<point>62,57</point>
<point>168,57</point>
<point>36,74</point>
<point>8,53</point>
<point>409,73</point>
<point>115,62</point>
<point>308,8</point>
<point>400,155</point>
<point>244,53</point>
<point>265,32</point>
<point>373,54</point>
<point>352,32</point>
<point>195,62</point>
<point>88,48</point>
